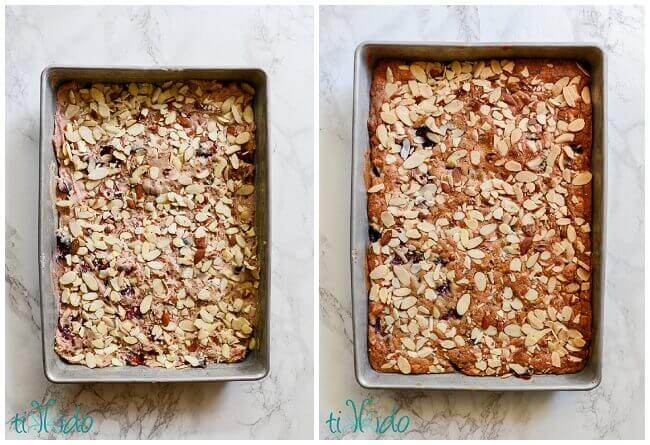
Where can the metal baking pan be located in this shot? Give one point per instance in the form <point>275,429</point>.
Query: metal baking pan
<point>256,364</point>
<point>366,56</point>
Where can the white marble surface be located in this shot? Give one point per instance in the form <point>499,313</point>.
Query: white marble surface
<point>277,39</point>
<point>616,408</point>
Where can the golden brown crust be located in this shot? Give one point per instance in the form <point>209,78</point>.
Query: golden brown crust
<point>479,207</point>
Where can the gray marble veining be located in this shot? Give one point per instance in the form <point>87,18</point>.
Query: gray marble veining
<point>277,39</point>
<point>616,408</point>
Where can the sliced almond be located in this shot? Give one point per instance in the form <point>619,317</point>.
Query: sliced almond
<point>408,302</point>
<point>75,228</point>
<point>403,115</point>
<point>534,337</point>
<point>135,129</point>
<point>570,95</point>
<point>515,265</point>
<point>531,295</point>
<point>403,365</point>
<point>403,275</point>
<point>103,111</point>
<point>480,281</point>
<point>512,330</point>
<point>90,281</point>
<point>448,344</point>
<point>156,265</point>
<point>559,85</point>
<point>513,166</point>
<point>564,138</point>
<point>416,159</point>
<point>418,73</point>
<point>495,95</point>
<point>476,254</point>
<point>98,173</point>
<point>145,304</point>
<point>516,135</point>
<point>249,115</point>
<point>475,157</point>
<point>463,304</point>
<point>242,138</point>
<point>379,272</point>
<point>387,219</point>
<point>576,125</point>
<point>408,343</point>
<point>487,229</point>
<point>87,135</point>
<point>582,178</point>
<point>382,135</point>
<point>525,176</point>
<point>187,325</point>
<point>68,278</point>
<point>389,117</point>
<point>555,359</point>
<point>518,368</point>
<point>454,106</point>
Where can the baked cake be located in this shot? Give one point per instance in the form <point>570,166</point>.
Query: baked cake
<point>479,208</point>
<point>156,260</point>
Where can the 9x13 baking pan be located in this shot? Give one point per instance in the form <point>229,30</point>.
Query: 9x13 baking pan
<point>256,364</point>
<point>366,56</point>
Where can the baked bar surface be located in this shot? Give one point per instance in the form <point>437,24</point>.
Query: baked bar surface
<point>479,209</point>
<point>156,260</point>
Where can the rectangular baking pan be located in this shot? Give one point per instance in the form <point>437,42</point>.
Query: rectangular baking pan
<point>256,364</point>
<point>365,57</point>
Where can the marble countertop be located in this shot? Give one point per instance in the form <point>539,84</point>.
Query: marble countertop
<point>277,39</point>
<point>616,408</point>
